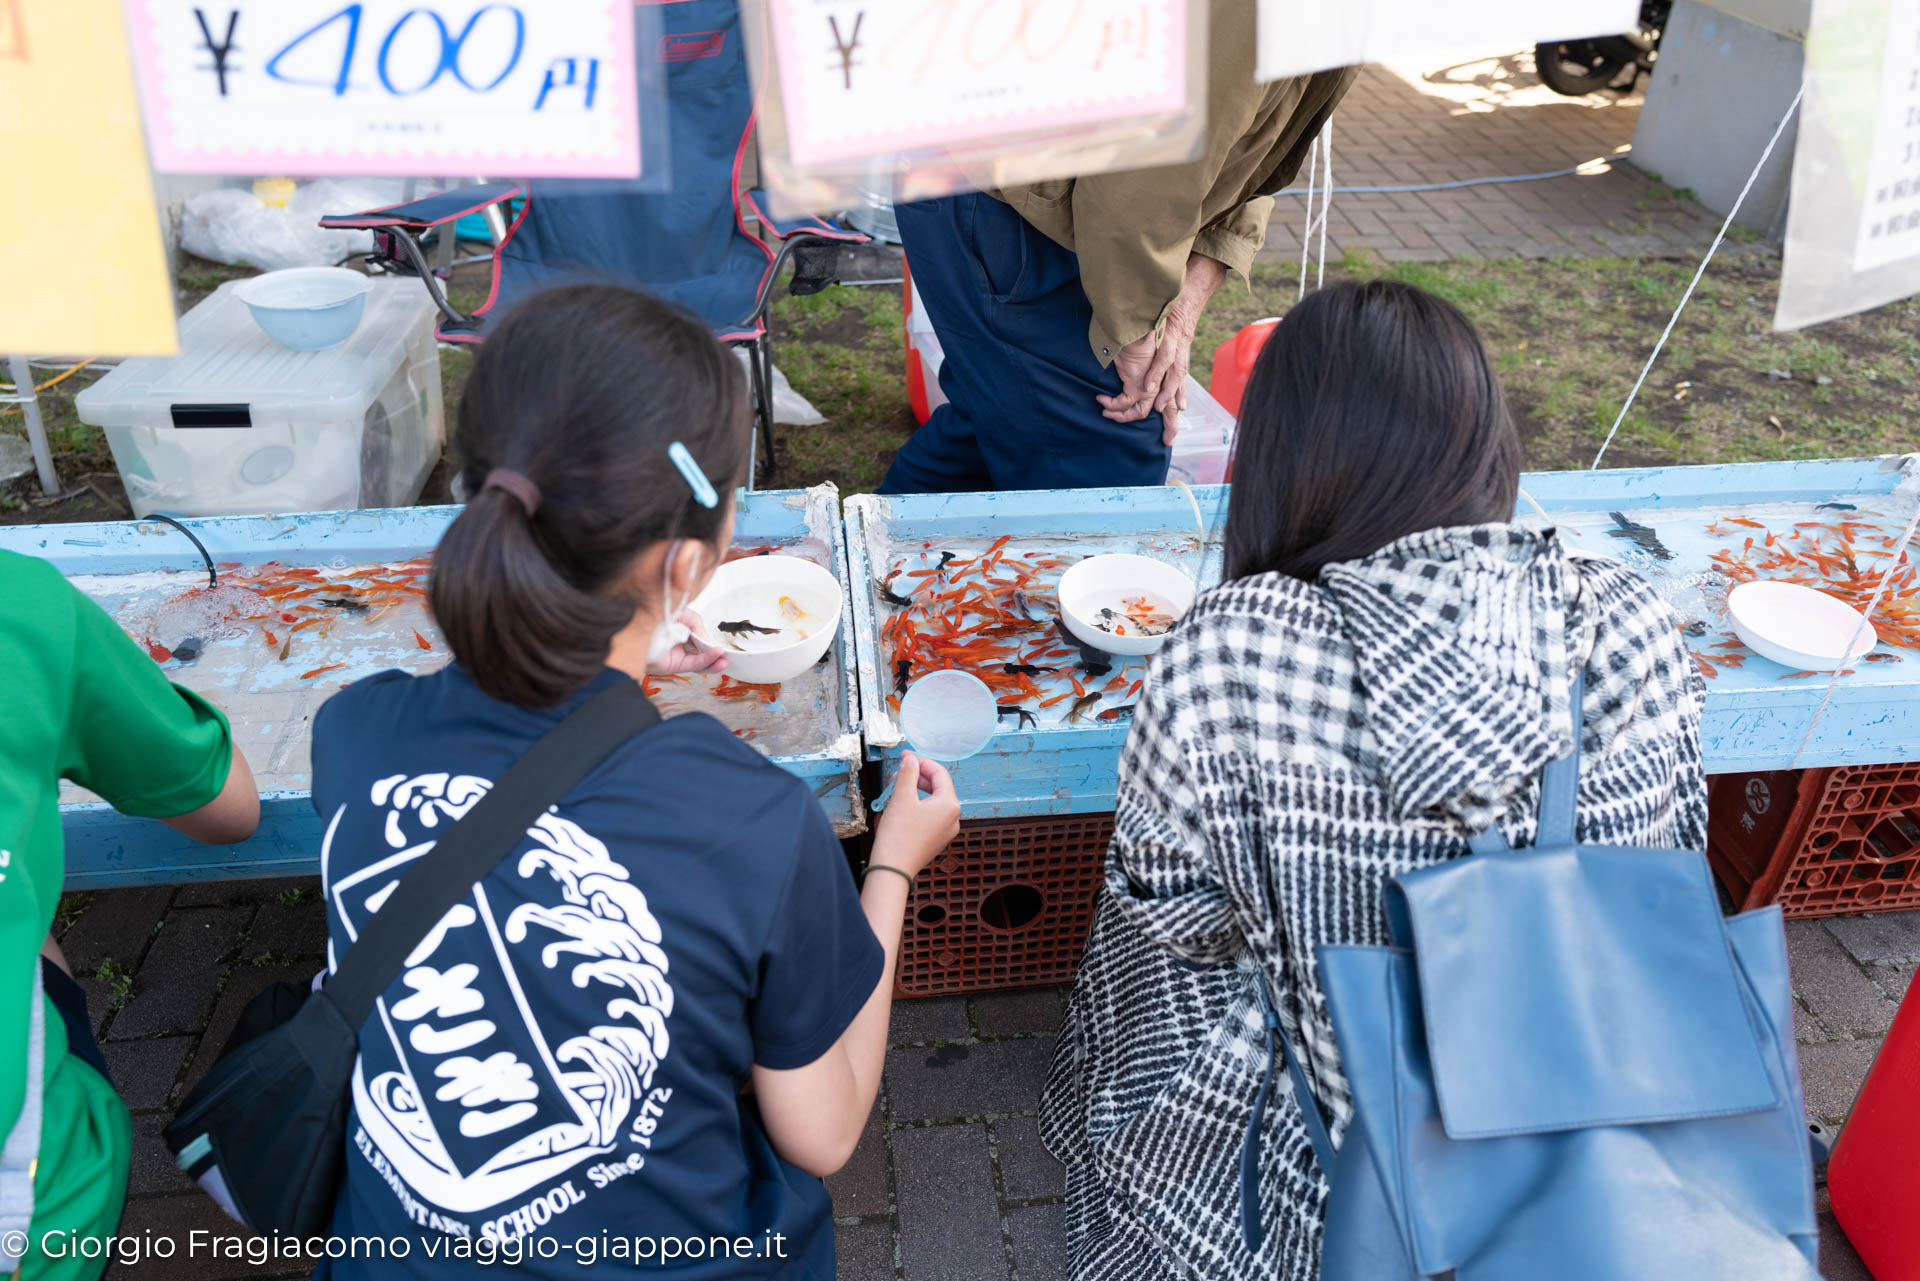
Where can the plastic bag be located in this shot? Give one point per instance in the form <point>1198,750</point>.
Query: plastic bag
<point>790,408</point>
<point>232,225</point>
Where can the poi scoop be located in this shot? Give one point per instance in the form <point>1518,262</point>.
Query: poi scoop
<point>947,715</point>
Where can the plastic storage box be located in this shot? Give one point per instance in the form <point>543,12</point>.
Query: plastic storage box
<point>238,425</point>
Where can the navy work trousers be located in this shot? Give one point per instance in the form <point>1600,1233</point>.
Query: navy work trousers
<point>1020,376</point>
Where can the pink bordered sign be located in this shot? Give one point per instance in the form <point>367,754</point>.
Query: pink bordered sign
<point>862,78</point>
<point>539,88</point>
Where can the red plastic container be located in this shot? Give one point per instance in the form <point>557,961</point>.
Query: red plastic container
<point>1006,905</point>
<point>1828,842</point>
<point>1874,1175</point>
<point>1233,363</point>
<point>916,371</point>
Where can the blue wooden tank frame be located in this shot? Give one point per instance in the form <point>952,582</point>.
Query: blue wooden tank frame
<point>105,848</point>
<point>1754,720</point>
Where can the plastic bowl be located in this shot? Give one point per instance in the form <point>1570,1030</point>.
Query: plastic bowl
<point>307,308</point>
<point>1798,627</point>
<point>750,591</point>
<point>1103,582</point>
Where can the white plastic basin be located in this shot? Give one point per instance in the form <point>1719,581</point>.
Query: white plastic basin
<point>1109,582</point>
<point>752,591</point>
<point>1800,627</point>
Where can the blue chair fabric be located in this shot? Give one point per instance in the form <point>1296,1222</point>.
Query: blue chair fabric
<point>689,244</point>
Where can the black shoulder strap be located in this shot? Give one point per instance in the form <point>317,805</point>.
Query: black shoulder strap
<point>472,847</point>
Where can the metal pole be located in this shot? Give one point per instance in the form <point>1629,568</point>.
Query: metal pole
<point>496,220</point>
<point>36,430</point>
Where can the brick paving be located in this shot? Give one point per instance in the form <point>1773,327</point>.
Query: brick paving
<point>1405,126</point>
<point>950,1181</point>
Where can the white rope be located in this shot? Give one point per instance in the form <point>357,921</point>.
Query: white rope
<point>1886,580</point>
<point>1692,284</point>
<point>1326,201</point>
<point>1306,233</point>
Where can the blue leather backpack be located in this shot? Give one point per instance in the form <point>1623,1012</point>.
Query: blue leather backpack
<point>1568,1066</point>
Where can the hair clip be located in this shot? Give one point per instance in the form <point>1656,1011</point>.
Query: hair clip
<point>696,479</point>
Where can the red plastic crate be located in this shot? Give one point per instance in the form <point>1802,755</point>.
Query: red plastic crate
<point>1820,842</point>
<point>1006,905</point>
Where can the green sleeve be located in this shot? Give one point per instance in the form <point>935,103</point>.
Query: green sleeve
<point>145,745</point>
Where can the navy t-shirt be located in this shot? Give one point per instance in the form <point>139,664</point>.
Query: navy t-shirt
<point>555,1076</point>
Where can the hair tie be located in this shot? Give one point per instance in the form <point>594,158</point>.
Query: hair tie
<point>514,483</point>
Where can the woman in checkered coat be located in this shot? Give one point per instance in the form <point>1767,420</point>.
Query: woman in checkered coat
<point>1383,673</point>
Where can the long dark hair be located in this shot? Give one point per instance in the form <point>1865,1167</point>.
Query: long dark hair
<point>581,390</point>
<point>1372,413</point>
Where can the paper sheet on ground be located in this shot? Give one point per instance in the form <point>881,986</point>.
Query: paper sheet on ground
<point>1853,224</point>
<point>82,269</point>
<point>1300,36</point>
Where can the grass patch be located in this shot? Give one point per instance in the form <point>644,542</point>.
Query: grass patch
<point>72,907</point>
<point>118,980</point>
<point>1567,336</point>
<point>843,350</point>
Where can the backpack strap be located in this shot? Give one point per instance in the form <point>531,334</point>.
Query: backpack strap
<point>1560,781</point>
<point>1278,1043</point>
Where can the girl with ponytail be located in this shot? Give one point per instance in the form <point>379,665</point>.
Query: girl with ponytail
<point>660,1022</point>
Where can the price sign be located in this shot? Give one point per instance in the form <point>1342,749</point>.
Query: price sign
<point>65,62</point>
<point>1890,223</point>
<point>1301,36</point>
<point>542,88</point>
<point>861,78</point>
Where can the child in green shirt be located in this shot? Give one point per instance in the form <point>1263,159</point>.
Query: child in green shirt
<point>81,702</point>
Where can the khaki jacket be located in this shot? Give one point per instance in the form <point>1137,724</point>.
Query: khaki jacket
<point>1133,230</point>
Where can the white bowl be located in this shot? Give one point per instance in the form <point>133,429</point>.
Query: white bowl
<point>1799,627</point>
<point>306,308</point>
<point>750,590</point>
<point>1103,582</point>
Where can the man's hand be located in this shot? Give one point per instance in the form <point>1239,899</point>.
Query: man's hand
<point>1153,374</point>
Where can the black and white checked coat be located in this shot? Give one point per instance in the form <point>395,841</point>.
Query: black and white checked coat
<point>1298,744</point>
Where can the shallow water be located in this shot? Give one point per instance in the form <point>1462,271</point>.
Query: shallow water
<point>269,663</point>
<point>1067,689</point>
<point>1687,578</point>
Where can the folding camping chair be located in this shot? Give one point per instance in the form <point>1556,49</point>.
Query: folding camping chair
<point>690,244</point>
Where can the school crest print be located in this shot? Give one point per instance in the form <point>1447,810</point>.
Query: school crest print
<point>469,1098</point>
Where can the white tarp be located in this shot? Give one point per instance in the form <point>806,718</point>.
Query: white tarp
<point>1853,226</point>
